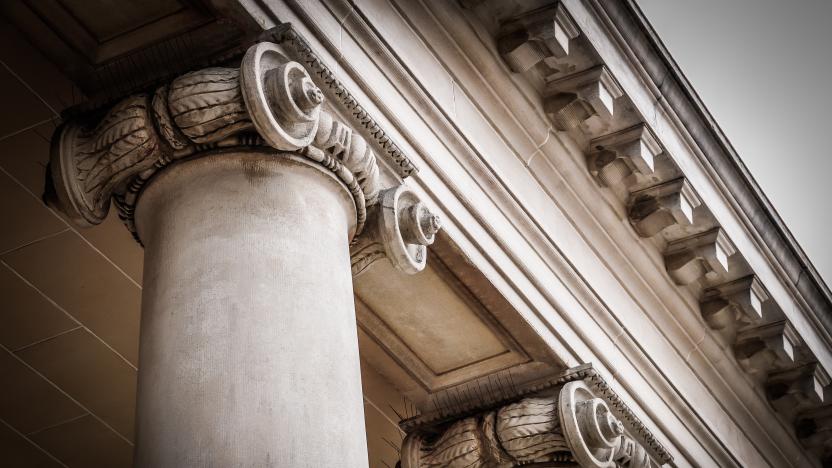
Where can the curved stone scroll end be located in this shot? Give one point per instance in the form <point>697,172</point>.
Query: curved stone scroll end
<point>407,227</point>
<point>399,227</point>
<point>596,437</point>
<point>281,98</point>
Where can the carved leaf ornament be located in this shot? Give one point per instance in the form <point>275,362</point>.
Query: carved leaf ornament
<point>270,101</point>
<point>574,426</point>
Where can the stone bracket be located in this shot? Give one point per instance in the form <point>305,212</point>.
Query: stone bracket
<point>701,257</point>
<point>655,208</point>
<point>571,418</point>
<point>616,157</point>
<point>539,36</point>
<point>766,348</point>
<point>586,97</point>
<point>797,389</point>
<point>814,429</point>
<point>735,305</point>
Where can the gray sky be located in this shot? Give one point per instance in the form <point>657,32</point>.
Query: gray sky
<point>764,70</point>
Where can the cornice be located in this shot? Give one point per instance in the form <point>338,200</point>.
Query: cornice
<point>739,186</point>
<point>409,86</point>
<point>530,229</point>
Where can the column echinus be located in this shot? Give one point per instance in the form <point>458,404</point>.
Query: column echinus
<point>249,200</point>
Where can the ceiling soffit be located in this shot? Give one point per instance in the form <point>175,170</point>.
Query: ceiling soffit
<point>111,48</point>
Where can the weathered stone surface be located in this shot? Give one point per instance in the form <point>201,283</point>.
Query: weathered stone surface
<point>566,420</point>
<point>198,112</point>
<point>703,257</point>
<point>540,36</point>
<point>587,97</point>
<point>240,329</point>
<point>655,208</point>
<point>732,306</point>
<point>623,157</point>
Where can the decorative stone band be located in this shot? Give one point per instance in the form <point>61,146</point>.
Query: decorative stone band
<point>270,100</point>
<point>572,418</point>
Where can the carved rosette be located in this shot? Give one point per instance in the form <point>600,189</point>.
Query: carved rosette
<point>270,101</point>
<point>572,423</point>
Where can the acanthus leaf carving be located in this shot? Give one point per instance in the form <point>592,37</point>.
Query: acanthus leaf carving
<point>574,419</point>
<point>269,101</point>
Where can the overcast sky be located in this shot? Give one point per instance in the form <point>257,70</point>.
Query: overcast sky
<point>764,70</point>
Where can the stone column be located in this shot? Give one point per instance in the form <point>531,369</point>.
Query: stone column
<point>248,338</point>
<point>247,197</point>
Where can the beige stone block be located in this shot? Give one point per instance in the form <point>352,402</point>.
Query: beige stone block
<point>17,451</point>
<point>26,155</point>
<point>28,108</point>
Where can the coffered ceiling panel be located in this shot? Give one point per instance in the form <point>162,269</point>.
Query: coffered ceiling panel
<point>418,319</point>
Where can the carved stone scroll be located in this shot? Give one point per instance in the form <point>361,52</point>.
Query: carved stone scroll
<point>270,100</point>
<point>735,305</point>
<point>362,120</point>
<point>565,421</point>
<point>578,98</point>
<point>628,155</point>
<point>538,36</point>
<point>399,228</point>
<point>655,208</point>
<point>700,257</point>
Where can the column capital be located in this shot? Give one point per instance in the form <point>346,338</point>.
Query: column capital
<point>270,101</point>
<point>572,418</point>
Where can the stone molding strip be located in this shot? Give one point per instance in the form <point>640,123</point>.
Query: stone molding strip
<point>584,372</point>
<point>286,35</point>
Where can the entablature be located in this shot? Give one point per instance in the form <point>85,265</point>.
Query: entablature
<point>666,208</point>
